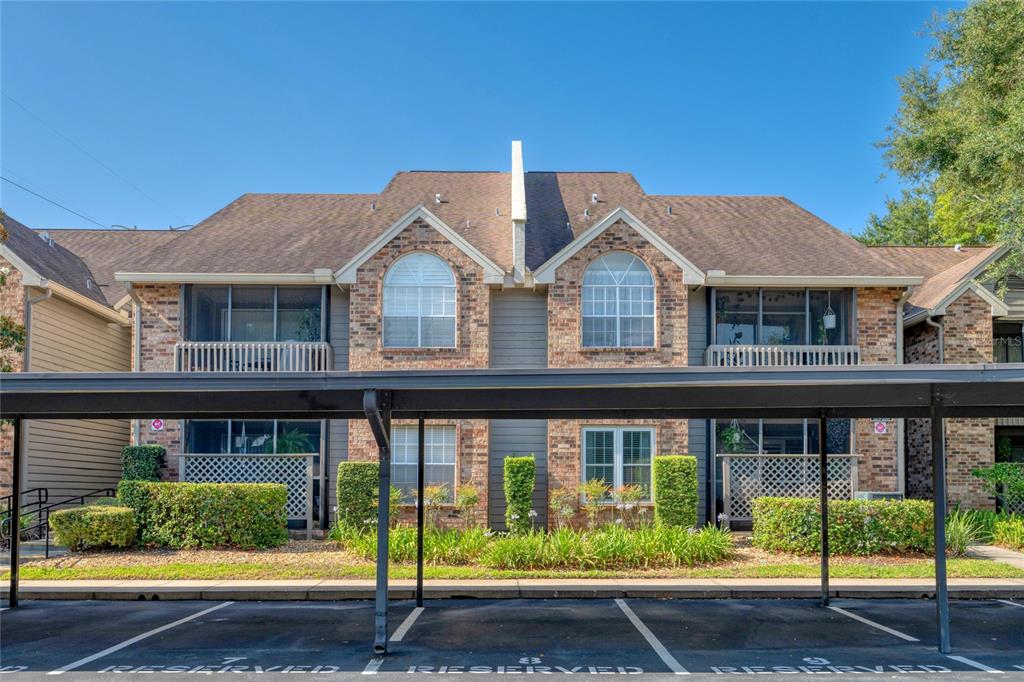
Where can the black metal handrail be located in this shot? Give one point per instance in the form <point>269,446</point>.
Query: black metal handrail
<point>43,512</point>
<point>42,497</point>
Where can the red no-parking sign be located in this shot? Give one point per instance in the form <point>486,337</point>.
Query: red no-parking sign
<point>157,424</point>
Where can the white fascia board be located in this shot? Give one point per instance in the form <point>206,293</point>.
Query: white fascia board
<point>318,276</point>
<point>95,307</point>
<point>783,281</point>
<point>29,276</point>
<point>545,274</point>
<point>493,274</point>
<point>999,308</point>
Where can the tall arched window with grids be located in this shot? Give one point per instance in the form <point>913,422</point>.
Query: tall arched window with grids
<point>618,303</point>
<point>419,303</point>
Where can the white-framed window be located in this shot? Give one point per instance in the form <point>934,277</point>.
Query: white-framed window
<point>419,303</point>
<point>619,455</point>
<point>618,303</point>
<point>439,455</point>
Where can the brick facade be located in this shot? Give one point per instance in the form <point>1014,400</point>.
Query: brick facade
<point>967,338</point>
<point>565,348</point>
<point>160,318</point>
<point>12,305</point>
<point>367,352</point>
<point>876,336</point>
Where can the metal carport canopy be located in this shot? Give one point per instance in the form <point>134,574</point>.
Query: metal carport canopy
<point>693,392</point>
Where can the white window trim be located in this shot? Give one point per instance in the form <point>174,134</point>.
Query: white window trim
<point>617,452</point>
<point>419,305</point>
<point>455,466</point>
<point>618,300</point>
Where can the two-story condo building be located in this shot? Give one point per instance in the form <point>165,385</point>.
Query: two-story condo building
<point>552,269</point>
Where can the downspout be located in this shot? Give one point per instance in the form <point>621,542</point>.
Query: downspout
<point>942,337</point>
<point>901,423</point>
<point>136,351</point>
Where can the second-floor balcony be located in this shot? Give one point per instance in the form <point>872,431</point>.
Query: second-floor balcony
<point>252,356</point>
<point>734,355</point>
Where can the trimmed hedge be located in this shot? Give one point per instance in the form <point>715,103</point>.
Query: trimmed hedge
<point>142,462</point>
<point>357,485</point>
<point>520,480</point>
<point>793,524</point>
<point>94,527</point>
<point>675,490</point>
<point>189,515</point>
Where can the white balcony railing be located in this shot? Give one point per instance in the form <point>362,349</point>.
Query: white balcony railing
<point>252,356</point>
<point>722,355</point>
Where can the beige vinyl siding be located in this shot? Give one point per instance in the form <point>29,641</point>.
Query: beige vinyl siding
<point>72,457</point>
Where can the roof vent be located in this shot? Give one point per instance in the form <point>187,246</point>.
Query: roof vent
<point>593,198</point>
<point>437,198</point>
<point>586,211</point>
<point>497,211</point>
<point>670,209</point>
<point>467,223</point>
<point>88,283</point>
<point>958,247</point>
<point>373,205</point>
<point>45,236</point>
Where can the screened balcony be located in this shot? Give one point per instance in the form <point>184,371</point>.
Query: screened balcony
<point>782,328</point>
<point>254,329</point>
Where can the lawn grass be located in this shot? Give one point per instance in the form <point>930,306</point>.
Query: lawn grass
<point>922,568</point>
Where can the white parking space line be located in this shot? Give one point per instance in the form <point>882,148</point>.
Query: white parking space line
<point>658,647</point>
<point>138,638</point>
<point>873,624</point>
<point>974,664</point>
<point>406,624</point>
<point>373,666</point>
<point>1011,603</point>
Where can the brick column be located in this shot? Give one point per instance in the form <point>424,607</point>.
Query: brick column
<point>876,337</point>
<point>160,318</point>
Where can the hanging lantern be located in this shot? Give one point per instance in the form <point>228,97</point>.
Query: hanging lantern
<point>829,318</point>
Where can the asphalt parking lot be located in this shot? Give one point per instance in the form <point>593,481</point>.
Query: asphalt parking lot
<point>568,637</point>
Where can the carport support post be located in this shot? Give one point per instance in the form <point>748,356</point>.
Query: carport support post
<point>377,406</point>
<point>823,491</point>
<point>420,484</point>
<point>15,519</point>
<point>939,490</point>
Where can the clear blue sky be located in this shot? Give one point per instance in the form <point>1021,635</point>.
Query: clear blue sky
<point>196,103</point>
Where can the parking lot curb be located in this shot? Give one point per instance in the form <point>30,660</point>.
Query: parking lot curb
<point>320,590</point>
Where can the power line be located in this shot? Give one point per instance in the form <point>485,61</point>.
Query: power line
<point>37,194</point>
<point>105,166</point>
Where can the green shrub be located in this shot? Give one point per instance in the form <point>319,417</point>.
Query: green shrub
<point>791,524</point>
<point>93,527</point>
<point>142,462</point>
<point>106,502</point>
<point>357,485</point>
<point>520,479</point>
<point>186,515</point>
<point>1009,532</point>
<point>1003,481</point>
<point>983,520</point>
<point>675,490</point>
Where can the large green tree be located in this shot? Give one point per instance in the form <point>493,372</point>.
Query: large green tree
<point>957,140</point>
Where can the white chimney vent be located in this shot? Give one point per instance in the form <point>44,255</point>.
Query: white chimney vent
<point>958,247</point>
<point>518,213</point>
<point>437,198</point>
<point>593,198</point>
<point>670,210</point>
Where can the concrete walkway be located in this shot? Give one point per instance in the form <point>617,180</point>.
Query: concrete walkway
<point>665,588</point>
<point>993,553</point>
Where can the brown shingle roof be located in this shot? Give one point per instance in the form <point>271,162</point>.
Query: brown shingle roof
<point>266,233</point>
<point>943,267</point>
<point>108,251</point>
<point>51,260</point>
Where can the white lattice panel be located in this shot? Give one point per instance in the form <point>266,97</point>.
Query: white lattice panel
<point>291,471</point>
<point>1014,506</point>
<point>751,477</point>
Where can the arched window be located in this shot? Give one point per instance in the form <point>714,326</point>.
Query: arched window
<point>419,303</point>
<point>618,303</point>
